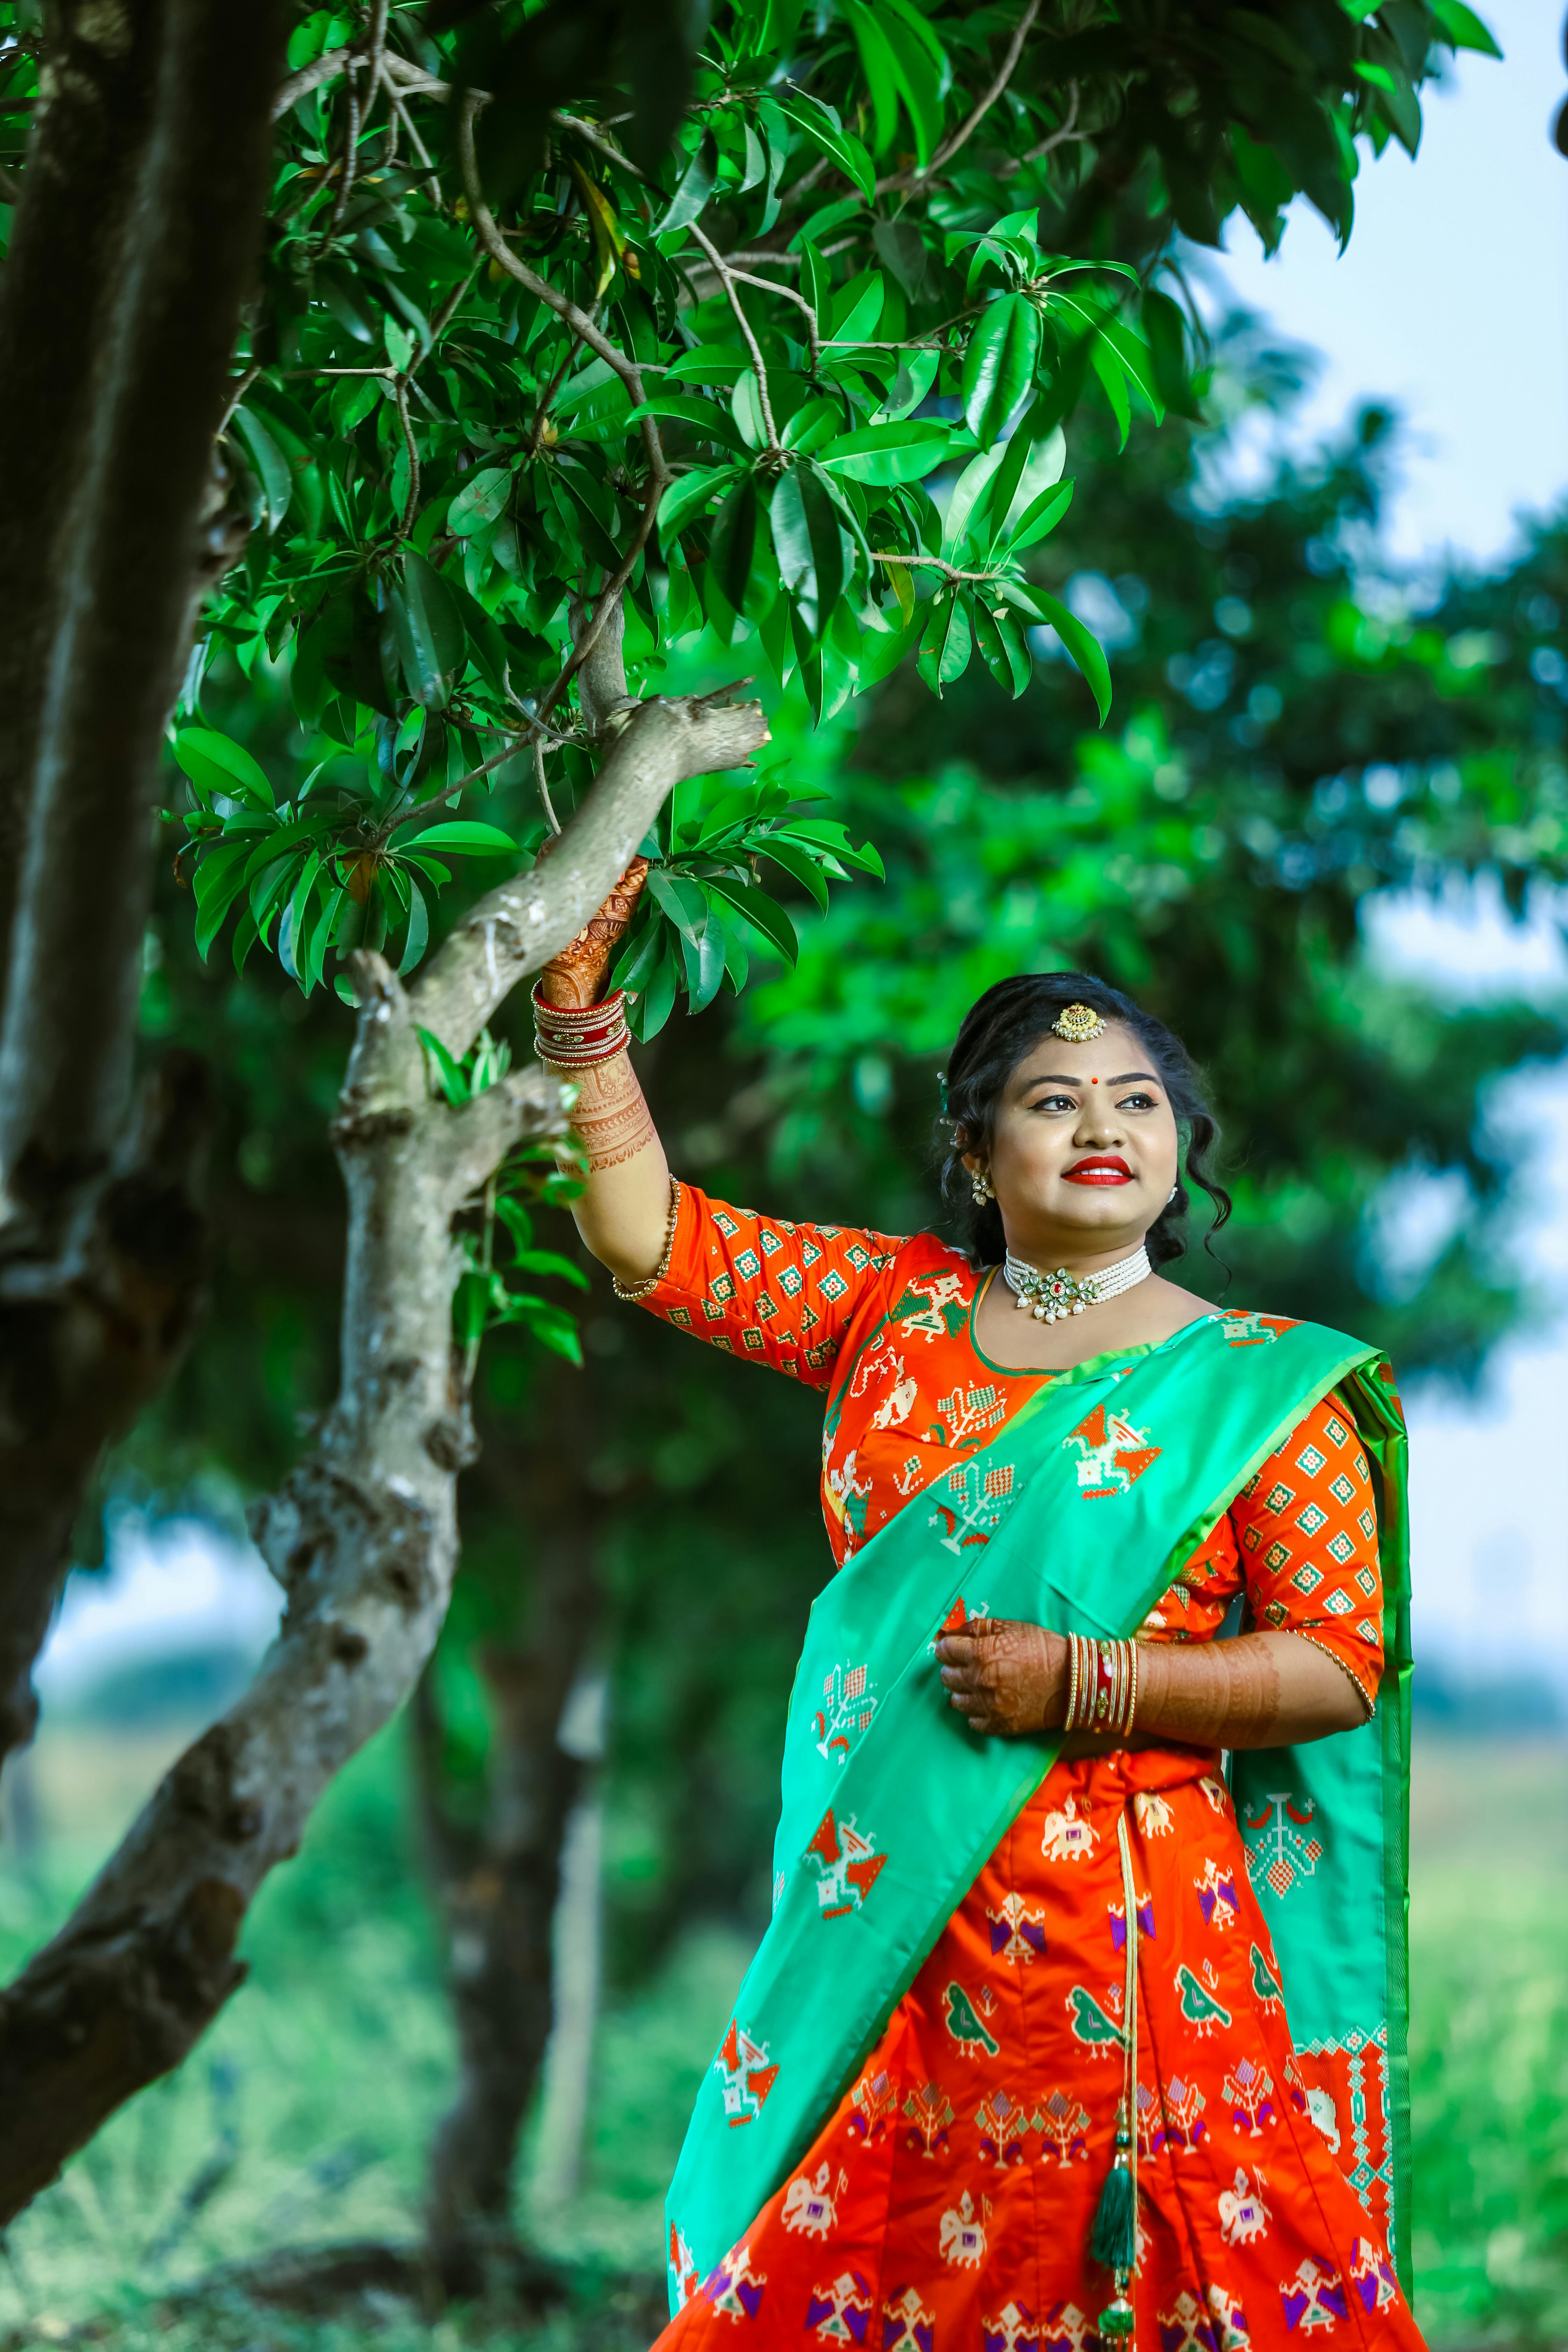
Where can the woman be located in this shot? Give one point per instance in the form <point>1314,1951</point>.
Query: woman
<point>1058,2037</point>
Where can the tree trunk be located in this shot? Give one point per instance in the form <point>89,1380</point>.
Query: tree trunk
<point>135,244</point>
<point>500,1876</point>
<point>362,1536</point>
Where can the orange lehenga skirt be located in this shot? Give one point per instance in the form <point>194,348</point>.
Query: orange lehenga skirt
<point>946,2205</point>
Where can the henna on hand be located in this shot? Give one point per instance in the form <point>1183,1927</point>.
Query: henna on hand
<point>576,976</point>
<point>611,1116</point>
<point>1004,1676</point>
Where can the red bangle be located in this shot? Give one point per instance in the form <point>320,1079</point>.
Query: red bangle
<point>575,1036</point>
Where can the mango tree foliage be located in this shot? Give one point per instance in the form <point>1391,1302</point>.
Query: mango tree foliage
<point>563,329</point>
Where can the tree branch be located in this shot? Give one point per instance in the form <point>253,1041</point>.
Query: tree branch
<point>517,928</point>
<point>326,68</point>
<point>1060,138</point>
<point>789,295</point>
<point>728,282</point>
<point>933,563</point>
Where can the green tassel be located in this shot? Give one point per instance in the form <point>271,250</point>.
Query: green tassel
<point>1115,2239</point>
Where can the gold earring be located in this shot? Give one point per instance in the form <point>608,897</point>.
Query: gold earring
<point>980,1185</point>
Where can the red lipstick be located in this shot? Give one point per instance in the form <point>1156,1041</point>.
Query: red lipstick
<point>1104,1168</point>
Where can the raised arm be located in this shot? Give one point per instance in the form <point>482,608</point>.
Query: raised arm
<point>622,1214</point>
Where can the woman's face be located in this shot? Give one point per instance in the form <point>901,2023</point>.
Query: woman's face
<point>1084,1149</point>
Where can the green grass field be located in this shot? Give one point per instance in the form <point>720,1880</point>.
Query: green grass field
<point>302,2119</point>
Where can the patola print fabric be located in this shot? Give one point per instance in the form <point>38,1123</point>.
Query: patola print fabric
<point>947,2202</point>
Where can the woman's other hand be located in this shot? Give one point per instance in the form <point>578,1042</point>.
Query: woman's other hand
<point>1004,1676</point>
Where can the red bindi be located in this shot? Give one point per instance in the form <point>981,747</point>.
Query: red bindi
<point>1094,1082</point>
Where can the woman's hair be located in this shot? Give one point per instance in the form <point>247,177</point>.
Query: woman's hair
<point>1006,1025</point>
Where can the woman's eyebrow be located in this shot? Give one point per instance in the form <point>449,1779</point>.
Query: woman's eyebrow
<point>1059,1079</point>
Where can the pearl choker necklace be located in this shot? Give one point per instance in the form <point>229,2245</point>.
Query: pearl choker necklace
<point>1050,1296</point>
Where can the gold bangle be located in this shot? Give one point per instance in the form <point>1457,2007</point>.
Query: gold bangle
<point>633,1291</point>
<point>1131,1685</point>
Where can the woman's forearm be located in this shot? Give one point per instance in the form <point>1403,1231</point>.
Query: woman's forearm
<point>623,1212</point>
<point>1261,1690</point>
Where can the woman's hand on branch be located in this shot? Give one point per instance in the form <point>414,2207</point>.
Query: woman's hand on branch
<point>577,975</point>
<point>1004,1676</point>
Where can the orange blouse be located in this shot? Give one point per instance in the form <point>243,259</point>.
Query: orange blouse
<point>1299,1542</point>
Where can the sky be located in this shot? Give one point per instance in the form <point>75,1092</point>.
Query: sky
<point>1451,299</point>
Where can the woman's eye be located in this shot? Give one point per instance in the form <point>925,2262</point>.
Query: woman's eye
<point>1057,1102</point>
<point>1136,1102</point>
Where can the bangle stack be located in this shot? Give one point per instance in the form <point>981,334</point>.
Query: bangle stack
<point>575,1036</point>
<point>1102,1685</point>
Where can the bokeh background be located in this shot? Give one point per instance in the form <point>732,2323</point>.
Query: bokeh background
<point>1325,831</point>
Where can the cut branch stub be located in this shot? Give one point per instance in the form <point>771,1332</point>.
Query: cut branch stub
<point>602,679</point>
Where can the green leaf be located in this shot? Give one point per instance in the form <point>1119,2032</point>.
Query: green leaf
<point>695,188</point>
<point>215,764</point>
<point>737,964</point>
<point>1109,369</point>
<point>552,1326</point>
<point>638,958</point>
<point>880,68</point>
<point>429,631</point>
<point>1041,516</point>
<point>733,543</point>
<point>418,938</point>
<point>856,310</point>
<point>708,364</point>
<point>686,501</point>
<point>1032,462</point>
<point>340,290</point>
<point>999,365</point>
<point>916,375</point>
<point>448,1075</point>
<point>807,539</point>
<point>705,417</point>
<point>481,500</point>
<point>819,125</point>
<point>704,961</point>
<point>814,424</point>
<point>885,453</point>
<point>516,1220</point>
<point>284,838</point>
<point>948,640</point>
<point>271,465</point>
<point>971,501</point>
<point>220,879</point>
<point>1002,648</point>
<point>1462,28</point>
<point>322,937</point>
<point>800,869</point>
<point>1082,644</point>
<point>681,900</point>
<point>460,838</point>
<point>908,64</point>
<point>766,918</point>
<point>746,408</point>
<point>551,1263</point>
<point>657,1002</point>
